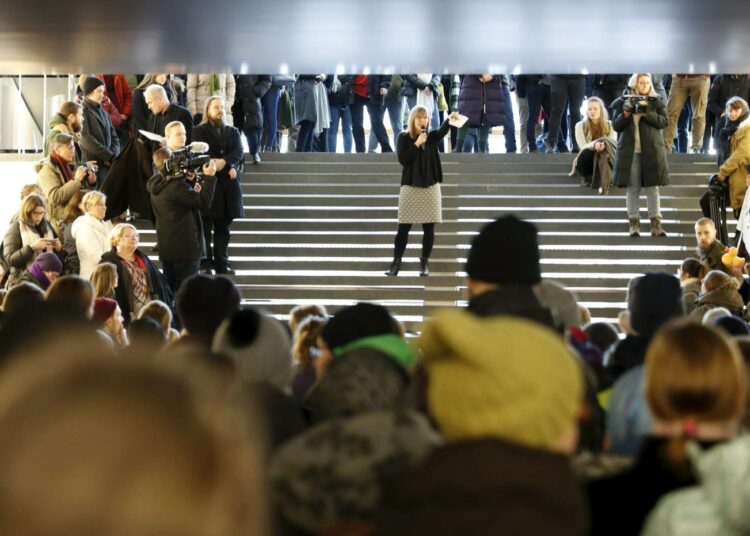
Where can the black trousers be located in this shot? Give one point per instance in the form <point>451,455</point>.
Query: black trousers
<point>564,88</point>
<point>402,238</point>
<point>217,246</point>
<point>585,162</point>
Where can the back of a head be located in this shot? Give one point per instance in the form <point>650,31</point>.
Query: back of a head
<point>21,294</point>
<point>120,447</point>
<point>203,302</point>
<point>305,343</point>
<point>734,326</point>
<point>601,334</point>
<point>259,345</point>
<point>693,268</point>
<point>356,322</point>
<point>300,312</point>
<point>74,291</point>
<point>158,311</point>
<point>146,333</point>
<point>717,280</point>
<point>653,300</point>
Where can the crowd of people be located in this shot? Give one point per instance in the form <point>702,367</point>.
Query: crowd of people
<point>139,397</point>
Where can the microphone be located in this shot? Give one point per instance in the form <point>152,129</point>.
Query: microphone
<point>198,147</point>
<point>423,130</point>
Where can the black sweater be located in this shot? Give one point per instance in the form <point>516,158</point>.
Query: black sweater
<point>422,166</point>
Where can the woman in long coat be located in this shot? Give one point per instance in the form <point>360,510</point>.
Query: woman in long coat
<point>481,100</point>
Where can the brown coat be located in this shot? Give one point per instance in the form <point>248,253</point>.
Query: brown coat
<point>56,191</point>
<point>734,166</point>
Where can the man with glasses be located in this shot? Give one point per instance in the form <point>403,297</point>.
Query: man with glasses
<point>58,181</point>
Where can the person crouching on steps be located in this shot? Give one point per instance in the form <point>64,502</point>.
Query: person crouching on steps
<point>419,200</point>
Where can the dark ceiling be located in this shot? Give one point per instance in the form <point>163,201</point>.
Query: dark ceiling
<point>43,36</point>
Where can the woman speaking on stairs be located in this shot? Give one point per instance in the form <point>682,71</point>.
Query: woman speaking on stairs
<point>419,200</point>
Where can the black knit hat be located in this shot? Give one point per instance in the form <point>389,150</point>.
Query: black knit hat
<point>90,84</point>
<point>653,299</point>
<point>356,322</point>
<point>203,302</point>
<point>506,252</point>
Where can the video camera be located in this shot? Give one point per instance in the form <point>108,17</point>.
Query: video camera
<point>191,159</point>
<point>637,104</point>
<point>716,186</point>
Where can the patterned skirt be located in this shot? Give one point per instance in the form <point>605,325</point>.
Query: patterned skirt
<point>420,205</point>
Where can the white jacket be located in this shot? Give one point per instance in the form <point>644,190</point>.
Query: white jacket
<point>91,236</point>
<point>199,89</point>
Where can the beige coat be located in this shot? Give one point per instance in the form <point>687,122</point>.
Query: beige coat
<point>56,191</point>
<point>734,166</point>
<point>199,89</point>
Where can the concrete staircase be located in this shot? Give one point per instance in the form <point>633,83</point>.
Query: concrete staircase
<point>319,228</point>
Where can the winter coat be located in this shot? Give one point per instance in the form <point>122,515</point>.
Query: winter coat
<point>157,284</point>
<point>250,89</point>
<point>91,236</point>
<point>723,88</point>
<point>653,153</point>
<point>717,506</point>
<point>734,166</point>
<point>17,256</point>
<point>619,504</point>
<point>56,191</point>
<point>482,103</point>
<point>125,183</point>
<point>691,290</point>
<point>584,139</point>
<point>175,112</point>
<point>72,265</point>
<point>412,84</point>
<point>224,143</point>
<point>721,297</point>
<point>179,228</point>
<point>421,165</point>
<point>199,89</point>
<point>99,140</point>
<point>485,487</point>
<point>305,105</point>
<point>712,257</point>
<point>332,473</point>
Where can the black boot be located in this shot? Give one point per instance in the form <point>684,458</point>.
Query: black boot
<point>395,267</point>
<point>424,270</point>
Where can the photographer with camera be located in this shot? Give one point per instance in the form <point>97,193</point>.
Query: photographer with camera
<point>177,204</point>
<point>225,146</point>
<point>641,159</point>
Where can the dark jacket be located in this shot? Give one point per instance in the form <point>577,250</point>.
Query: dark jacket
<point>175,112</point>
<point>179,228</point>
<point>344,94</point>
<point>624,355</point>
<point>619,504</point>
<point>305,102</point>
<point>376,82</point>
<point>723,88</point>
<point>17,256</point>
<point>99,139</point>
<point>722,297</point>
<point>224,142</point>
<point>653,152</point>
<point>712,257</point>
<point>421,165</point>
<point>412,84</point>
<point>125,183</point>
<point>512,300</point>
<point>485,487</point>
<point>157,284</point>
<point>482,103</point>
<point>250,89</point>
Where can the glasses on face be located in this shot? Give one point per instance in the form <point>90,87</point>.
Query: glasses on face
<point>40,212</point>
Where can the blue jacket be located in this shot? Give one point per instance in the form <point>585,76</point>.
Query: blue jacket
<point>483,104</point>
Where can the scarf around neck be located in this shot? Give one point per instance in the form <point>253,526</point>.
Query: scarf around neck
<point>730,127</point>
<point>62,165</point>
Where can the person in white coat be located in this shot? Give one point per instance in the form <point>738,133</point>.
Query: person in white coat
<point>90,232</point>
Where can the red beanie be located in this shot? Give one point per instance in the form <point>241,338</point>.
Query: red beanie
<point>103,309</point>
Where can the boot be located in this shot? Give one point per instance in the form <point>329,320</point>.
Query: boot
<point>656,228</point>
<point>395,267</point>
<point>635,227</point>
<point>424,270</point>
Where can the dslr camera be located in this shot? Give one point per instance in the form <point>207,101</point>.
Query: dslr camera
<point>636,104</point>
<point>188,160</point>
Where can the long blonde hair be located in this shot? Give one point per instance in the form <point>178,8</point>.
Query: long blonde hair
<point>417,110</point>
<point>599,129</point>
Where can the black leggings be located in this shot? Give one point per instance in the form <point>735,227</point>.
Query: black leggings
<point>402,237</point>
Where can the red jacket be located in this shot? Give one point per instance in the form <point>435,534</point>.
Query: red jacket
<point>123,96</point>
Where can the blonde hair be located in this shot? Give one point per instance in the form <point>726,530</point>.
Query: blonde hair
<point>150,79</point>
<point>417,110</point>
<point>306,339</point>
<point>30,203</point>
<point>159,311</point>
<point>599,129</point>
<point>173,124</point>
<point>90,199</point>
<point>300,312</point>
<point>116,234</point>
<point>104,280</point>
<point>32,188</point>
<point>209,100</point>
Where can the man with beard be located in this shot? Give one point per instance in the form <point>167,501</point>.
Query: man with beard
<point>225,146</point>
<point>69,120</point>
<point>99,139</point>
<point>164,113</point>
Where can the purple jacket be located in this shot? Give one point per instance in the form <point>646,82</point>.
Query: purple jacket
<point>482,103</point>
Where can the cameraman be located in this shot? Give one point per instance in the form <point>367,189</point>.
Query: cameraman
<point>641,159</point>
<point>179,229</point>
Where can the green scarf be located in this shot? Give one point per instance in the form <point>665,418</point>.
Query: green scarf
<point>214,85</point>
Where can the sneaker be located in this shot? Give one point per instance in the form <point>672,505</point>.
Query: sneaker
<point>256,158</point>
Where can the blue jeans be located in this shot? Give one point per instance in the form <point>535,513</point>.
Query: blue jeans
<point>395,112</point>
<point>305,136</point>
<point>686,116</point>
<point>270,102</point>
<point>509,127</point>
<point>253,139</point>
<point>345,115</point>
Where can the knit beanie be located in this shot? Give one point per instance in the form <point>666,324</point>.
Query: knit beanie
<point>733,325</point>
<point>103,309</point>
<point>259,345</point>
<point>502,377</point>
<point>653,300</point>
<point>90,84</point>
<point>505,252</point>
<point>49,262</point>
<point>390,345</point>
<point>203,302</point>
<point>356,322</point>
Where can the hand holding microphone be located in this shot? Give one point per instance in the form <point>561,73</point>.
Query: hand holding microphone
<point>422,138</point>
